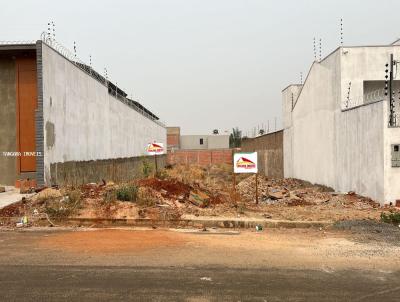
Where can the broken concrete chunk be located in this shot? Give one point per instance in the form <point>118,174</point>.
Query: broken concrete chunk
<point>276,195</point>
<point>178,204</point>
<point>292,195</point>
<point>199,199</point>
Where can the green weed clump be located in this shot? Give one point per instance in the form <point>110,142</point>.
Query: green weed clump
<point>147,168</point>
<point>127,192</point>
<point>393,218</point>
<point>64,207</point>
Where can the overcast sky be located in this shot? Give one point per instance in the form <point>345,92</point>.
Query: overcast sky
<point>204,64</point>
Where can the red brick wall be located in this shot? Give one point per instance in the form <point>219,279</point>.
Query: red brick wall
<point>173,140</point>
<point>200,157</point>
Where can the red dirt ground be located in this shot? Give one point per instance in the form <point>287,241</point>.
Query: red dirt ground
<point>13,210</point>
<point>111,241</point>
<point>173,188</point>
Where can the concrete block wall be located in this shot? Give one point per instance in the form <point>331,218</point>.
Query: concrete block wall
<point>117,170</point>
<point>269,148</point>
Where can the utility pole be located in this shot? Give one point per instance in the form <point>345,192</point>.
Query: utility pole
<point>391,103</point>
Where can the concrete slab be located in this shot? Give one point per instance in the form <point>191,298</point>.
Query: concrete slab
<point>11,195</point>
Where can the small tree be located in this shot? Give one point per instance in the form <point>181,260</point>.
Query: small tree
<point>235,138</point>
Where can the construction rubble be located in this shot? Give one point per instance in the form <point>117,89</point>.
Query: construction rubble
<point>183,192</point>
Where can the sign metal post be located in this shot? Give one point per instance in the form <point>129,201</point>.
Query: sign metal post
<point>155,149</point>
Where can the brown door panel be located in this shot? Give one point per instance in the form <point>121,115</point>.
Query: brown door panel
<point>27,104</point>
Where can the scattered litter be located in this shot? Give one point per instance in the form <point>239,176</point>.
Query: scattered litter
<point>23,222</point>
<point>206,279</point>
<point>199,199</point>
<point>187,191</point>
<point>275,194</point>
<point>259,228</point>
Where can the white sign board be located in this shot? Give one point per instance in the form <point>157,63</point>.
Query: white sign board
<point>245,162</point>
<point>155,148</point>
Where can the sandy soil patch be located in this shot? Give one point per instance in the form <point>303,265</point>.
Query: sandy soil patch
<point>111,241</point>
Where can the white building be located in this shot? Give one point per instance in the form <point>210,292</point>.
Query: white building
<point>62,122</point>
<point>336,125</point>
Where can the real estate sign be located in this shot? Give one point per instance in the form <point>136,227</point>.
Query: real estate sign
<point>245,162</point>
<point>155,148</point>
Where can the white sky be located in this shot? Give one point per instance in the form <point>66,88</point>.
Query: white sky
<point>204,64</point>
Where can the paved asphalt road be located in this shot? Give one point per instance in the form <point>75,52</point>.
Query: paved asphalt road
<point>81,283</point>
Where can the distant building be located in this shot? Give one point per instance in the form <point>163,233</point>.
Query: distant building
<point>173,138</point>
<point>200,150</point>
<point>340,129</point>
<point>194,142</point>
<point>175,141</point>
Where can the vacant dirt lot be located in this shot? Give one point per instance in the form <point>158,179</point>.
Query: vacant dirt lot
<point>191,191</point>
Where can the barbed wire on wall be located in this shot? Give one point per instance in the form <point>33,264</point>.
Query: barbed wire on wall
<point>49,40</point>
<point>370,97</point>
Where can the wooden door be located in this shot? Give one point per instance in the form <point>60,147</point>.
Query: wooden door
<point>27,104</point>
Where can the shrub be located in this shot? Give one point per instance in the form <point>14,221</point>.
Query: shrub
<point>65,206</point>
<point>74,198</point>
<point>127,192</point>
<point>162,174</point>
<point>146,167</point>
<point>393,218</point>
<point>145,197</point>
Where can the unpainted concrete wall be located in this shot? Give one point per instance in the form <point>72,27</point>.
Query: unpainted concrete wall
<point>8,123</point>
<point>116,170</point>
<point>269,148</point>
<point>83,122</point>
